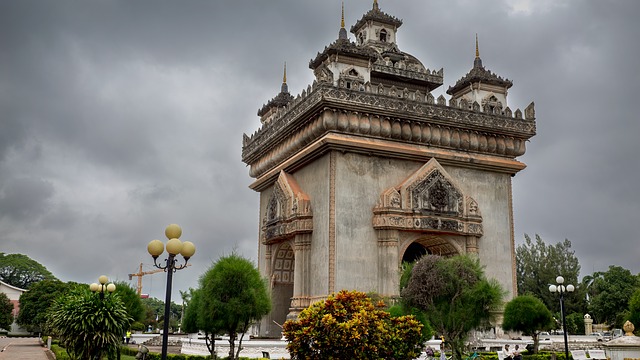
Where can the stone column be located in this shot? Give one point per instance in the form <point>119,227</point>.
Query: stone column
<point>588,324</point>
<point>267,327</point>
<point>301,274</point>
<point>472,245</point>
<point>388,265</point>
<point>268,265</point>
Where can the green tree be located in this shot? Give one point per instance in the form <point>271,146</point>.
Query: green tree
<point>529,315</point>
<point>402,308</point>
<point>197,318</point>
<point>236,295</point>
<point>35,303</point>
<point>6,312</point>
<point>154,313</point>
<point>538,265</point>
<point>21,271</point>
<point>634,310</point>
<point>347,325</point>
<point>575,324</point>
<point>131,300</point>
<point>455,296</point>
<point>185,296</point>
<point>609,294</point>
<point>88,326</point>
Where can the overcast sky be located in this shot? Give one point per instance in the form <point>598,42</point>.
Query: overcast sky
<point>118,118</point>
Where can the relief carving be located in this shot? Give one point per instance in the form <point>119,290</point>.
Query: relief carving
<point>428,201</point>
<point>288,211</point>
<point>436,194</point>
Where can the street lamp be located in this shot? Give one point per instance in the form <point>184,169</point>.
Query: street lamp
<point>174,247</point>
<point>102,287</point>
<point>561,290</point>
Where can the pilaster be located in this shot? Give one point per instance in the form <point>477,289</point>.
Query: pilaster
<point>388,271</point>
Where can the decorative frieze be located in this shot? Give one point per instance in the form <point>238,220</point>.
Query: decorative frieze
<point>432,76</point>
<point>368,114</point>
<point>288,211</point>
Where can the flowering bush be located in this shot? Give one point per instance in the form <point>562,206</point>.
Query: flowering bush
<point>347,325</point>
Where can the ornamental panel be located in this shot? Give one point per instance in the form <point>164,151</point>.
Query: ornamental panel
<point>288,211</point>
<point>428,201</point>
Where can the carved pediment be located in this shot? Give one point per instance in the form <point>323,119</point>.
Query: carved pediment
<point>288,210</point>
<point>429,200</point>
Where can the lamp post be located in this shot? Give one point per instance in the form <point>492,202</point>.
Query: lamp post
<point>561,290</point>
<point>101,287</point>
<point>174,247</point>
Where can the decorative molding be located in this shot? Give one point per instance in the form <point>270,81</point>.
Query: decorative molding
<point>389,149</point>
<point>387,113</point>
<point>288,211</point>
<point>428,201</point>
<point>513,242</point>
<point>332,221</point>
<point>283,268</point>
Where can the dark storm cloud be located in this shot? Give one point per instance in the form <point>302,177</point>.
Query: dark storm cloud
<point>121,117</point>
<point>22,199</point>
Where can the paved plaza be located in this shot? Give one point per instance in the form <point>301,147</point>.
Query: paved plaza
<point>22,349</point>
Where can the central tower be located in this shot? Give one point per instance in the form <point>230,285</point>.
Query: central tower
<point>365,169</point>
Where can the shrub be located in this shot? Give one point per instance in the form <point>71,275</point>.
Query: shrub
<point>347,325</point>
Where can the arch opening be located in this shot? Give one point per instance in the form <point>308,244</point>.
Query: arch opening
<point>282,284</point>
<point>433,245</point>
<point>414,252</point>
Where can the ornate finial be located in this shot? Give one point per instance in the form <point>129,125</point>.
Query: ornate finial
<point>342,34</point>
<point>284,88</point>
<point>477,62</point>
<point>375,5</point>
<point>628,328</point>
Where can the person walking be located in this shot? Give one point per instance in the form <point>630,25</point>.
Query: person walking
<point>128,336</point>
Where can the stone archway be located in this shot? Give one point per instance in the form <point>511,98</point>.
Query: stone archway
<point>428,212</point>
<point>414,252</point>
<point>286,232</point>
<point>282,281</point>
<point>414,244</point>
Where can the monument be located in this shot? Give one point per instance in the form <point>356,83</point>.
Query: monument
<point>365,169</point>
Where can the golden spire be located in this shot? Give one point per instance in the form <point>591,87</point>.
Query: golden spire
<point>342,34</point>
<point>284,78</point>
<point>477,49</point>
<point>284,88</point>
<point>375,4</point>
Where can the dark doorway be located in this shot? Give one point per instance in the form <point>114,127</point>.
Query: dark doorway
<point>414,252</point>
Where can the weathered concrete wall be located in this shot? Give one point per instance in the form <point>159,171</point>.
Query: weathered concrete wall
<point>314,181</point>
<point>360,180</point>
<point>492,191</point>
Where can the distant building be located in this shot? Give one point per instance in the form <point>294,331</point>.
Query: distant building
<point>13,293</point>
<point>365,169</point>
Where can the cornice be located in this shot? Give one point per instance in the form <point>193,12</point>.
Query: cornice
<point>382,147</point>
<point>387,113</point>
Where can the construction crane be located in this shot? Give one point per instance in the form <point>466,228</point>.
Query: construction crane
<point>140,274</point>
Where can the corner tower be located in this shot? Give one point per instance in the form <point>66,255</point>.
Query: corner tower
<point>365,168</point>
